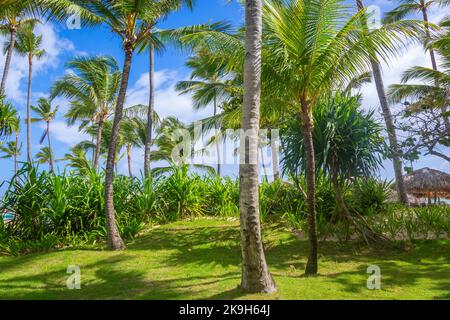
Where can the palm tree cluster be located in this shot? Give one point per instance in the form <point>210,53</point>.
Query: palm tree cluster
<point>295,65</point>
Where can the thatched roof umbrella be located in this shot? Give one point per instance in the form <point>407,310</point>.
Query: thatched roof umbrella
<point>427,182</point>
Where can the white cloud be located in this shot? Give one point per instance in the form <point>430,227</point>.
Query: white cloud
<point>67,135</point>
<point>18,72</point>
<point>168,102</point>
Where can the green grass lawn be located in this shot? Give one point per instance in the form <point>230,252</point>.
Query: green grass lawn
<point>201,260</point>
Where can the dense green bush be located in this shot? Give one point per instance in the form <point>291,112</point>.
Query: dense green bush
<point>370,195</point>
<point>68,209</point>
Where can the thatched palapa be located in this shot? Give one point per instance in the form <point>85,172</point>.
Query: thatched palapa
<point>428,182</point>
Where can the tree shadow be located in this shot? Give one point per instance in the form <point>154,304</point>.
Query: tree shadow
<point>213,255</point>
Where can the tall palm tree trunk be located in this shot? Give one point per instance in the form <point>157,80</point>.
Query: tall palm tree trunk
<point>434,64</point>
<point>217,143</point>
<point>427,34</point>
<point>307,128</point>
<point>12,35</point>
<point>393,142</point>
<point>50,147</point>
<point>263,162</point>
<point>115,242</point>
<point>151,108</point>
<point>255,273</point>
<point>275,159</point>
<point>16,152</point>
<point>30,75</point>
<point>130,174</point>
<point>98,144</point>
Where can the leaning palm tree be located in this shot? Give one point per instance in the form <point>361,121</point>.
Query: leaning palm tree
<point>131,21</point>
<point>28,44</point>
<point>46,113</point>
<point>13,16</point>
<point>387,114</point>
<point>92,90</point>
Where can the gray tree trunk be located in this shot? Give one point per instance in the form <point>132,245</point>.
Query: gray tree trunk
<point>390,128</point>
<point>255,273</point>
<point>275,159</point>
<point>434,65</point>
<point>217,143</point>
<point>150,113</point>
<point>307,128</point>
<point>98,144</point>
<point>50,148</point>
<point>30,75</point>
<point>12,34</point>
<point>115,241</point>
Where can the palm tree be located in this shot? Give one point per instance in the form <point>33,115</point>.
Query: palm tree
<point>28,44</point>
<point>9,120</point>
<point>255,273</point>
<point>11,150</point>
<point>347,145</point>
<point>307,57</point>
<point>77,160</point>
<point>408,7</point>
<point>393,141</point>
<point>131,132</point>
<point>46,113</point>
<point>131,21</point>
<point>92,90</point>
<point>207,87</point>
<point>13,16</point>
<point>160,11</point>
<point>45,156</point>
<point>433,92</point>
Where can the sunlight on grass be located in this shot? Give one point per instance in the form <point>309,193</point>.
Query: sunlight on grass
<point>200,259</point>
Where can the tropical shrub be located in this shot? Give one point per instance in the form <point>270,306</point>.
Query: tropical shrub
<point>369,194</point>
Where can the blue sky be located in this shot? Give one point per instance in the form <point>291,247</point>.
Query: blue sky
<point>62,44</point>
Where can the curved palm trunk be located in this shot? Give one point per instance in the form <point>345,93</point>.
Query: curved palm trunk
<point>50,147</point>
<point>12,35</point>
<point>151,108</point>
<point>307,128</point>
<point>30,75</point>
<point>98,144</point>
<point>393,142</point>
<point>255,273</point>
<point>115,242</point>
<point>219,160</point>
<point>130,174</point>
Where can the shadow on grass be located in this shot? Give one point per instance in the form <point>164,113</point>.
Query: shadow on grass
<point>213,256</point>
